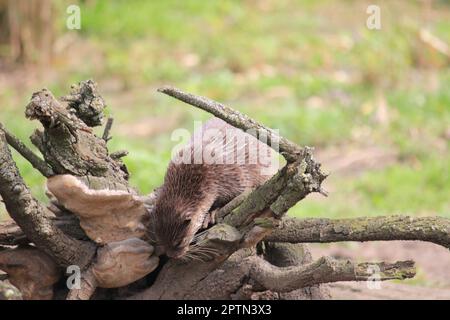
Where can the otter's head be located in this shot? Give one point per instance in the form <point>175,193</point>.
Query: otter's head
<point>172,231</point>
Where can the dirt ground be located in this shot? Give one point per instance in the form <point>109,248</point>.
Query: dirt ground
<point>432,261</point>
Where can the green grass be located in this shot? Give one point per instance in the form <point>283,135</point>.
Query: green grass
<point>308,68</point>
<point>419,189</point>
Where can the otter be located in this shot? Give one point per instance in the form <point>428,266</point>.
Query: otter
<point>218,164</point>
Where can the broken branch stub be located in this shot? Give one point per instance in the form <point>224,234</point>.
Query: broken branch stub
<point>67,143</point>
<point>86,102</point>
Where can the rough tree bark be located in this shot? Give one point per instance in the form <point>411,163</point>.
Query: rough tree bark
<point>33,219</point>
<point>96,221</point>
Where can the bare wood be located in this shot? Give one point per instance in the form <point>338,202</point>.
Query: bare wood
<point>286,254</point>
<point>185,277</point>
<point>32,217</point>
<point>431,229</point>
<point>256,275</point>
<point>119,154</point>
<point>310,230</point>
<point>86,103</point>
<point>231,280</point>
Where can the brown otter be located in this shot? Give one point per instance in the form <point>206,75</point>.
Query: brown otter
<point>219,163</point>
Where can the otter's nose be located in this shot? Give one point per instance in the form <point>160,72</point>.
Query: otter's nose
<point>159,250</point>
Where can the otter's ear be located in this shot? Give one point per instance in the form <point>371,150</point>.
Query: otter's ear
<point>188,216</point>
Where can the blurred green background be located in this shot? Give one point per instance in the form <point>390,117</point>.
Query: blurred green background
<point>374,103</point>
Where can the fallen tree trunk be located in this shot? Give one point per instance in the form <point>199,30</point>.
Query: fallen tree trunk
<point>97,223</point>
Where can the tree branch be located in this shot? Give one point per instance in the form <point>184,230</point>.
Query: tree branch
<point>326,270</point>
<point>288,149</point>
<point>29,155</point>
<point>290,255</point>
<point>261,275</point>
<point>11,234</point>
<point>287,187</point>
<point>32,219</point>
<point>431,229</point>
<point>233,204</point>
<point>106,133</point>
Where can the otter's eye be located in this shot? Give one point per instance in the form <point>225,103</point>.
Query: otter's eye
<point>186,223</point>
<point>178,244</point>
